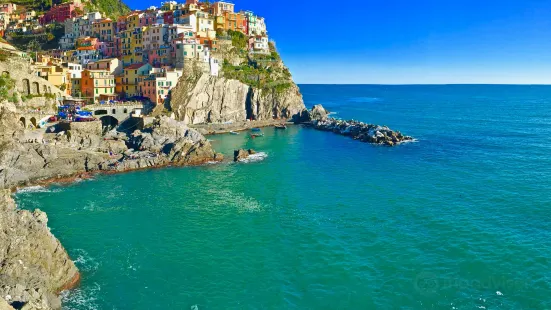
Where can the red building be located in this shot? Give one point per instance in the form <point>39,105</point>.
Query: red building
<point>168,17</point>
<point>59,13</point>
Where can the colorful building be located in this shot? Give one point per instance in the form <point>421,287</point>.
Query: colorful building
<point>8,8</point>
<point>97,84</point>
<point>158,85</point>
<point>219,8</point>
<point>112,65</point>
<point>133,75</point>
<point>60,13</point>
<point>104,29</point>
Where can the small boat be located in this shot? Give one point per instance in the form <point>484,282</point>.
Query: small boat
<point>234,133</point>
<point>255,130</point>
<point>280,126</point>
<point>255,135</point>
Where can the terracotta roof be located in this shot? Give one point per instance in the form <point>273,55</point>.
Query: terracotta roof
<point>86,48</point>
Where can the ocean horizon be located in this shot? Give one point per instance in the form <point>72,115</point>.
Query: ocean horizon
<point>459,219</point>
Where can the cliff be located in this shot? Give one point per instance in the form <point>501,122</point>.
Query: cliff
<point>212,99</point>
<point>250,86</point>
<point>34,266</point>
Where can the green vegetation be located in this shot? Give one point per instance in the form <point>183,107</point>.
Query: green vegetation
<point>112,8</point>
<point>6,86</point>
<point>238,39</point>
<point>37,5</point>
<point>43,41</point>
<point>261,71</point>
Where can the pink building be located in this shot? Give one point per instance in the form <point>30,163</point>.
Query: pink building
<point>59,13</point>
<point>148,19</point>
<point>159,56</point>
<point>8,8</point>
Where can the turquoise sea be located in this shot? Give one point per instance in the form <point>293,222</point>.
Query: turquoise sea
<point>459,220</point>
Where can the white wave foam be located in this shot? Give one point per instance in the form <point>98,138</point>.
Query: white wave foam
<point>84,261</point>
<point>33,189</point>
<point>409,141</point>
<point>81,298</point>
<point>254,158</point>
<point>364,99</point>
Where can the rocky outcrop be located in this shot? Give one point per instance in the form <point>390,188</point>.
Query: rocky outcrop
<point>210,99</point>
<point>79,148</point>
<point>369,133</point>
<point>241,154</point>
<point>34,266</point>
<point>318,113</point>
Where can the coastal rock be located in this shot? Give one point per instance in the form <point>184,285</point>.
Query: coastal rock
<point>34,266</point>
<point>363,132</point>
<point>210,99</point>
<point>241,154</point>
<point>318,113</point>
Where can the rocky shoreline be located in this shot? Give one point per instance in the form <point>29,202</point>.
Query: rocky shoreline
<point>375,134</point>
<point>34,266</point>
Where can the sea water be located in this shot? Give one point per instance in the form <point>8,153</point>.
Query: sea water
<point>459,220</point>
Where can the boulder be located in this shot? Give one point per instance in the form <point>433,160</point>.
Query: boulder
<point>241,154</point>
<point>318,112</point>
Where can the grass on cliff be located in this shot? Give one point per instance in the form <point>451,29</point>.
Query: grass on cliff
<point>111,8</point>
<point>46,41</point>
<point>264,71</point>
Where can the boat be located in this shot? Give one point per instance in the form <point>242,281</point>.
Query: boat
<point>255,135</point>
<point>280,126</point>
<point>255,130</point>
<point>234,133</point>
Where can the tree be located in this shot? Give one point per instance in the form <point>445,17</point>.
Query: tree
<point>34,46</point>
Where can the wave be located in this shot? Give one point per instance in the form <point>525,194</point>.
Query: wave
<point>33,189</point>
<point>81,298</point>
<point>409,141</point>
<point>254,158</point>
<point>84,261</point>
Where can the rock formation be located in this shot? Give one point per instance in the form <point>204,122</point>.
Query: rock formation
<point>241,154</point>
<point>212,99</point>
<point>34,266</point>
<point>357,130</point>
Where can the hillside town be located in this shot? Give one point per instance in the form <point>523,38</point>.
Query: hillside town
<point>140,55</point>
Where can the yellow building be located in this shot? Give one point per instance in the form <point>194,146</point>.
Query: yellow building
<point>57,75</point>
<point>104,30</point>
<point>133,75</point>
<point>132,45</point>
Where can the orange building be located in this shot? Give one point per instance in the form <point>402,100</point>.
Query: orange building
<point>235,22</point>
<point>98,84</point>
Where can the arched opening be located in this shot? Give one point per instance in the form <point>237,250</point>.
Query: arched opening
<point>26,87</point>
<point>108,122</point>
<point>33,122</point>
<point>100,112</point>
<point>23,122</point>
<point>36,88</point>
<point>125,111</point>
<point>114,111</point>
<point>49,90</point>
<point>44,89</point>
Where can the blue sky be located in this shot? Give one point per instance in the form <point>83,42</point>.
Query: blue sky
<point>409,42</point>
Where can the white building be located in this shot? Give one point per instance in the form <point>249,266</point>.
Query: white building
<point>75,70</point>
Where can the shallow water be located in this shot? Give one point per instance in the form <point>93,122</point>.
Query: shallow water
<point>459,220</point>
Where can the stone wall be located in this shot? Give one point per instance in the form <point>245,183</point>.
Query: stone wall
<point>26,83</point>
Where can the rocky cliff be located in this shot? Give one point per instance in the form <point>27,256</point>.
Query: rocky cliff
<point>249,86</point>
<point>212,99</point>
<point>34,266</point>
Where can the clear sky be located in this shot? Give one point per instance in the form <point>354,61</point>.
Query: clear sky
<point>408,41</point>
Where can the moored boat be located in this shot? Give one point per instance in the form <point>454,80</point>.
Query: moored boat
<point>234,133</point>
<point>280,126</point>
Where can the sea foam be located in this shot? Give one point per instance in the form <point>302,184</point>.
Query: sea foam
<point>254,158</point>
